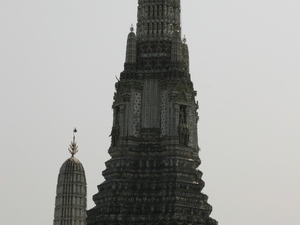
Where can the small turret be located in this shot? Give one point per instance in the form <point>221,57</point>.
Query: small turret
<point>185,55</point>
<point>70,202</point>
<point>176,52</point>
<point>131,47</point>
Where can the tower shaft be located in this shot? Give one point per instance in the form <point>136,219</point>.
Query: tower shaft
<point>158,19</point>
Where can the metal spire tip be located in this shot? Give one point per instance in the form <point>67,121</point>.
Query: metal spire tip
<point>73,148</point>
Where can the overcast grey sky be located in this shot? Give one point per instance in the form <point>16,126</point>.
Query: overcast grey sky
<point>58,63</point>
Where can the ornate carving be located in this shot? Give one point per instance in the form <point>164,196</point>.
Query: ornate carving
<point>151,177</point>
<point>183,129</point>
<point>184,90</point>
<point>164,112</point>
<point>115,133</point>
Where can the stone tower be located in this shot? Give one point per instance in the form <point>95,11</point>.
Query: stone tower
<point>152,176</point>
<point>70,202</point>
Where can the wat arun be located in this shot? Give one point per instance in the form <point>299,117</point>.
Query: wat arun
<point>152,177</point>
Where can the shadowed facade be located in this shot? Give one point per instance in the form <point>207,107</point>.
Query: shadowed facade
<point>152,176</point>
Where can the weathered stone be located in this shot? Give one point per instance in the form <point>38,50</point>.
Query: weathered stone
<point>152,176</point>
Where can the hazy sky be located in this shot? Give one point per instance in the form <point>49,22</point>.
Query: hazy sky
<point>58,63</point>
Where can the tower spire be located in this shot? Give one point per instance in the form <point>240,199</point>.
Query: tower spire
<point>131,47</point>
<point>70,201</point>
<point>73,148</point>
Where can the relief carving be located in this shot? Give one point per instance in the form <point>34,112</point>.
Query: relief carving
<point>183,129</point>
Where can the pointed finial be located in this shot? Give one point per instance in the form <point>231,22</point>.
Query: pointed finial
<point>73,148</point>
<point>131,28</point>
<point>184,39</point>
